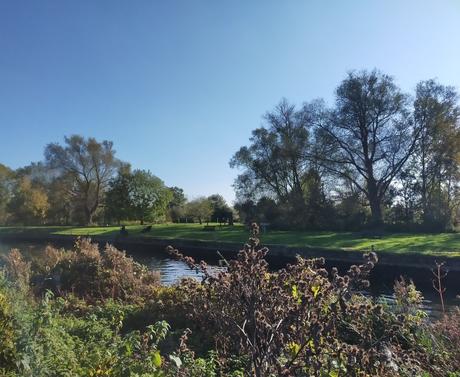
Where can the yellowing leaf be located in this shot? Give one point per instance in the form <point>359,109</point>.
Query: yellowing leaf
<point>156,358</point>
<point>315,289</point>
<point>294,348</point>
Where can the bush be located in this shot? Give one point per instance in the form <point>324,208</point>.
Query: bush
<point>243,321</point>
<point>305,321</point>
<point>7,332</point>
<point>85,272</point>
<point>447,340</point>
<point>43,339</point>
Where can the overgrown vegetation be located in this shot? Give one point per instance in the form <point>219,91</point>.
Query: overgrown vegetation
<point>243,320</point>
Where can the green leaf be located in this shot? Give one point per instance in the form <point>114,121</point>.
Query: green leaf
<point>156,358</point>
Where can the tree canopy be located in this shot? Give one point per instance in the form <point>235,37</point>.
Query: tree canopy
<point>137,195</point>
<point>369,135</point>
<point>89,165</point>
<point>395,159</point>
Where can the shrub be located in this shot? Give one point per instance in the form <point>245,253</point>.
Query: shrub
<point>447,339</point>
<point>19,270</point>
<point>303,320</point>
<point>7,332</point>
<point>86,272</point>
<point>107,316</point>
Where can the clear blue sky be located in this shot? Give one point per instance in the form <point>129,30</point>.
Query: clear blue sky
<point>179,85</point>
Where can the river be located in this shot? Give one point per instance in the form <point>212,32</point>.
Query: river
<point>382,277</point>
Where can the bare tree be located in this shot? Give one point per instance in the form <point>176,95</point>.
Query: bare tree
<point>89,164</point>
<point>368,136</point>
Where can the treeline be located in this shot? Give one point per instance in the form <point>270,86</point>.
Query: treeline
<point>82,182</point>
<point>377,158</point>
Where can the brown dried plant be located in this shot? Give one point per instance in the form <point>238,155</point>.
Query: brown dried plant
<point>301,320</point>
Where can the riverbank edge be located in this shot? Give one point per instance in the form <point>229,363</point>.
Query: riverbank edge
<point>205,249</point>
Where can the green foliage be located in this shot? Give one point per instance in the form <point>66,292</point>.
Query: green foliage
<point>137,196</point>
<point>221,212</point>
<point>49,338</point>
<point>199,209</point>
<point>176,206</point>
<point>88,166</point>
<point>29,204</point>
<point>117,197</point>
<point>148,196</point>
<point>7,330</point>
<point>6,180</point>
<point>435,161</point>
<point>243,321</point>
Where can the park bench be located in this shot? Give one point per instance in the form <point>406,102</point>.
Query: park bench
<point>209,228</point>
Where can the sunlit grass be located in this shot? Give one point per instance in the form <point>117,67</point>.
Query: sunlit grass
<point>445,244</point>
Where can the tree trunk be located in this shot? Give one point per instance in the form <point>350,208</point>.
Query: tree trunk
<point>376,214</point>
<point>424,183</point>
<point>88,216</point>
<point>375,204</point>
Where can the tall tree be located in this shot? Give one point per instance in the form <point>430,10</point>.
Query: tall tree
<point>221,212</point>
<point>56,187</point>
<point>276,160</point>
<point>62,208</point>
<point>89,164</point>
<point>137,195</point>
<point>148,196</point>
<point>117,198</point>
<point>368,136</point>
<point>176,207</point>
<point>437,114</point>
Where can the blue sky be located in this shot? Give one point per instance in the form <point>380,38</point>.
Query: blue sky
<point>179,85</point>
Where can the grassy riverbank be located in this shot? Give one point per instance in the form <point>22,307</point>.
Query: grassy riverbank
<point>445,244</point>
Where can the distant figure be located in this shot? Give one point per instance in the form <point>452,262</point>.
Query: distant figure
<point>123,231</point>
<point>146,229</point>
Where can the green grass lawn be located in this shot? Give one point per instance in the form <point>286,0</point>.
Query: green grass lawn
<point>445,244</point>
